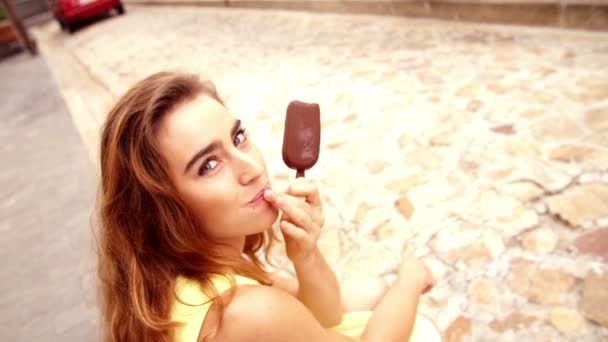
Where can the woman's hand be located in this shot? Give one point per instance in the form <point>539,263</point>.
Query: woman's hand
<point>416,272</point>
<point>302,218</point>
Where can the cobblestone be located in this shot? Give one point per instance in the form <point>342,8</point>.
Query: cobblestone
<point>428,126</point>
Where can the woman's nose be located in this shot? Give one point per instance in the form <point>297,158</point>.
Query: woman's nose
<point>248,168</point>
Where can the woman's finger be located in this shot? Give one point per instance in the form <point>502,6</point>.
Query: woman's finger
<point>427,289</point>
<point>293,231</point>
<point>296,210</point>
<point>273,198</point>
<point>305,188</point>
<point>270,196</point>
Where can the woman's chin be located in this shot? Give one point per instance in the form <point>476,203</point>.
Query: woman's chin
<point>263,218</point>
<point>272,216</point>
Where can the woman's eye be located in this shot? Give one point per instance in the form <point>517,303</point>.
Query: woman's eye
<point>240,137</point>
<point>207,166</point>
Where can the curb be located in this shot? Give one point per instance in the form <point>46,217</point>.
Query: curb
<point>589,14</point>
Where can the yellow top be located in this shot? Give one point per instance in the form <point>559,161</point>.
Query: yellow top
<point>193,315</point>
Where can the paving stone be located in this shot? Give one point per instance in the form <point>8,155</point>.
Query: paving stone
<point>594,300</point>
<point>547,176</point>
<point>599,138</point>
<point>361,212</point>
<point>405,140</point>
<point>392,232</point>
<point>506,213</point>
<point>570,152</point>
<point>594,243</point>
<point>425,158</point>
<point>523,147</point>
<point>533,113</point>
<point>459,330</point>
<point>568,321</point>
<point>498,88</point>
<point>586,156</point>
<point>471,256</point>
<point>580,204</point>
<point>374,167</point>
<point>539,285</point>
<point>405,207</point>
<point>504,129</point>
<point>592,89</point>
<point>406,183</point>
<point>474,106</point>
<point>371,261</point>
<point>436,194</point>
<point>514,321</point>
<point>455,236</point>
<point>483,291</point>
<point>556,129</point>
<point>540,241</point>
<point>523,191</point>
<point>443,138</point>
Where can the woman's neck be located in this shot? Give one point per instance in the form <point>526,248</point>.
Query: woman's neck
<point>232,249</point>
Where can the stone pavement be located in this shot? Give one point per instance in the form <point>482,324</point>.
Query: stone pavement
<point>482,149</point>
<point>46,196</point>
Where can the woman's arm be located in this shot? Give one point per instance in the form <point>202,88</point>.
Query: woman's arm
<point>301,222</point>
<point>397,309</point>
<point>289,285</point>
<point>395,315</point>
<point>319,289</point>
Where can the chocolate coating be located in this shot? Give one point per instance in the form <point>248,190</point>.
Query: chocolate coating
<point>302,137</point>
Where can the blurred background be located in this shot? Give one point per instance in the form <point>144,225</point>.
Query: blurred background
<point>472,133</point>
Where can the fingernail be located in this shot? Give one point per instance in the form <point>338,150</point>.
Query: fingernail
<point>267,194</point>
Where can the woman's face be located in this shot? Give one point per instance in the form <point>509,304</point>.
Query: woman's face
<point>217,170</point>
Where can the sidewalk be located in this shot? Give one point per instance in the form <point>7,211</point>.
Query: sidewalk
<point>482,149</point>
<point>47,192</point>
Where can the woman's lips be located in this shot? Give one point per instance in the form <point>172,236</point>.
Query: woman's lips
<point>260,195</point>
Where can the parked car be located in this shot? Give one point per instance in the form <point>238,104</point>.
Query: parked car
<point>69,12</point>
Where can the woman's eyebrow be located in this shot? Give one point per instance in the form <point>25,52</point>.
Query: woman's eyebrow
<point>216,144</point>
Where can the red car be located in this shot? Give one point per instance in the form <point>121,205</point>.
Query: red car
<point>70,12</point>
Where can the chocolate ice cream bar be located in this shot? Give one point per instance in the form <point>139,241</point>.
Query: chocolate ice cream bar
<point>302,137</point>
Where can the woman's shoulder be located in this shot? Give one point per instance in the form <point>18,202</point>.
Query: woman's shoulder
<point>193,301</point>
<point>268,314</point>
<point>192,292</point>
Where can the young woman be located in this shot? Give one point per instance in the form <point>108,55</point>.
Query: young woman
<point>185,209</point>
